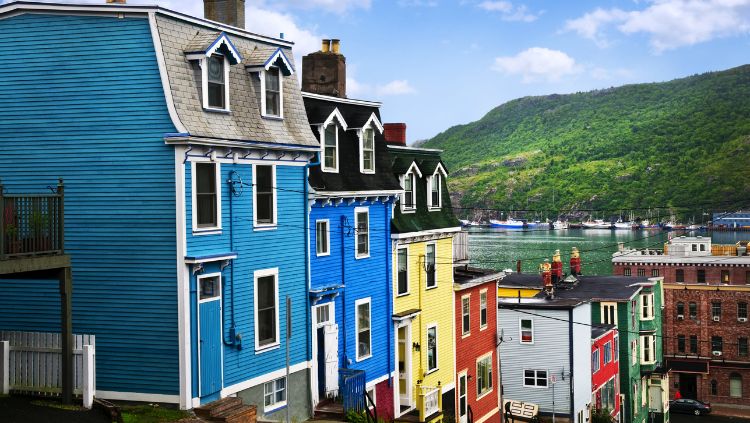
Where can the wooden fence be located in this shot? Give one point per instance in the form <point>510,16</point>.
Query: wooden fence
<point>31,363</point>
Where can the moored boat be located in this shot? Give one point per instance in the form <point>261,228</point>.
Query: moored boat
<point>508,224</point>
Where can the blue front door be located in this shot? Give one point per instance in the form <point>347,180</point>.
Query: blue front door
<point>209,316</point>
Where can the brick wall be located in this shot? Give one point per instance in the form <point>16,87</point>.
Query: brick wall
<point>737,275</point>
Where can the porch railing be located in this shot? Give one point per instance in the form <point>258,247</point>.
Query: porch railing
<point>352,389</point>
<point>429,401</point>
<point>32,224</point>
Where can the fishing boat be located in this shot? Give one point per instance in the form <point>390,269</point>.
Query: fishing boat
<point>597,224</point>
<point>559,224</point>
<point>507,224</point>
<point>623,225</point>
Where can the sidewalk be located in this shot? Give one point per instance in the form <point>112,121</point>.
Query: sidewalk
<point>731,410</point>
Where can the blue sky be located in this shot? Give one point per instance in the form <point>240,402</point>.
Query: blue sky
<point>437,63</point>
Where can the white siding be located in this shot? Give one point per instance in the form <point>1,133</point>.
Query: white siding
<point>581,358</point>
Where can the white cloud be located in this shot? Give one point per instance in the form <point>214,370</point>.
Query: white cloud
<point>357,89</point>
<point>669,24</point>
<point>508,12</point>
<point>537,64</point>
<point>395,87</point>
<point>417,3</point>
<point>269,22</point>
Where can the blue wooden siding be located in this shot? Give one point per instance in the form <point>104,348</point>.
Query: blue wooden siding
<point>365,277</point>
<point>30,305</point>
<point>82,99</point>
<point>282,247</point>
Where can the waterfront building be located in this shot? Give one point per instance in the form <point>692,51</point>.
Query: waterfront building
<point>707,292</point>
<point>605,371</point>
<point>544,356</point>
<point>731,220</point>
<point>352,189</point>
<point>423,226</point>
<point>183,144</point>
<point>477,389</point>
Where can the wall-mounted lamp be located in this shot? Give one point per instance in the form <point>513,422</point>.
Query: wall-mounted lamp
<point>416,346</point>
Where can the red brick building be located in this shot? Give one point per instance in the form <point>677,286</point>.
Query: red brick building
<point>707,295</point>
<point>477,389</point>
<point>605,370</point>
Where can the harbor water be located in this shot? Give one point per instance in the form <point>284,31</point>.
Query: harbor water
<point>500,248</point>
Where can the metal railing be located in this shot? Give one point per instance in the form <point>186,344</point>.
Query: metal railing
<point>370,410</point>
<point>32,224</point>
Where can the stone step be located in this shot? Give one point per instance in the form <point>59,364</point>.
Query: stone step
<point>214,408</point>
<point>239,414</point>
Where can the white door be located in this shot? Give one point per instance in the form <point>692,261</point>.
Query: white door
<point>331,337</point>
<point>462,416</point>
<point>404,366</point>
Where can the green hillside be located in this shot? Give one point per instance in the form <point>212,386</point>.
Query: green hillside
<point>677,143</point>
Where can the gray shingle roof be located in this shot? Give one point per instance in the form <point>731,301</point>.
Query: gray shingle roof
<point>244,123</point>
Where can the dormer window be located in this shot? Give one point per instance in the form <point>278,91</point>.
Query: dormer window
<point>409,192</point>
<point>216,82</point>
<point>272,105</point>
<point>435,192</point>
<point>435,188</point>
<point>368,151</point>
<point>330,148</point>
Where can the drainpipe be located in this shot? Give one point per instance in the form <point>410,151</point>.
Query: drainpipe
<point>389,288</point>
<point>343,291</point>
<point>306,215</point>
<point>233,340</point>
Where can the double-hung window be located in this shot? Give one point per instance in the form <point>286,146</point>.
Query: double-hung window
<point>266,308</point>
<point>527,331</point>
<point>435,196</point>
<point>595,361</point>
<point>364,333</point>
<point>272,93</point>
<point>264,180</point>
<point>206,188</point>
<point>693,310</point>
<point>693,344</point>
<point>368,150</point>
<point>647,306</point>
<point>432,351</point>
<point>429,266</point>
<point>717,344</point>
<point>537,378</point>
<point>331,148</point>
<point>609,313</point>
<point>409,192</point>
<point>465,315</point>
<point>626,271</point>
<point>648,349</point>
<point>483,309</point>
<point>680,310</point>
<point>742,310</point>
<point>274,393</point>
<point>403,271</point>
<point>484,375</point>
<point>701,276</point>
<point>716,310</point>
<point>681,343</point>
<point>742,346</point>
<point>322,237</point>
<point>216,89</point>
<point>362,225</point>
<point>607,352</point>
<point>679,275</point>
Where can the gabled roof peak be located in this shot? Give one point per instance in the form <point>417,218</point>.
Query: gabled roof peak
<point>260,60</point>
<point>206,44</point>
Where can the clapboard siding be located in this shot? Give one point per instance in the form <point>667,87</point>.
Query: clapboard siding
<point>581,372</point>
<point>30,305</point>
<point>83,100</point>
<point>283,247</point>
<point>550,352</point>
<point>364,278</point>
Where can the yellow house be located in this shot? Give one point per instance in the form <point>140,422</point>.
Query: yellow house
<point>423,314</point>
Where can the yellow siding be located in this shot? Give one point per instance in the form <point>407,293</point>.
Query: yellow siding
<point>514,292</point>
<point>437,308</point>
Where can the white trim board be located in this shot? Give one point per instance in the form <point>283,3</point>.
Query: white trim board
<point>183,284</point>
<point>163,74</point>
<point>237,387</point>
<point>138,396</point>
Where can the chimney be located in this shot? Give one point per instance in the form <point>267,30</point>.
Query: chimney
<point>230,12</point>
<point>395,133</point>
<point>116,1</point>
<point>324,72</point>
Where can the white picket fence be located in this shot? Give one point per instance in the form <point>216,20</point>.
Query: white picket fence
<point>31,362</point>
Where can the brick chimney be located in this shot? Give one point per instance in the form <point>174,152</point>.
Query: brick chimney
<point>230,12</point>
<point>395,133</point>
<point>116,1</point>
<point>324,72</point>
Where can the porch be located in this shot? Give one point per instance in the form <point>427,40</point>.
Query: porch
<point>429,406</point>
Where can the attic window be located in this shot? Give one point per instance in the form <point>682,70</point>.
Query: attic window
<point>408,203</point>
<point>330,148</point>
<point>368,151</point>
<point>435,188</point>
<point>272,93</point>
<point>214,53</point>
<point>216,82</point>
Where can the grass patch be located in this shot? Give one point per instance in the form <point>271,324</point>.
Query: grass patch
<point>56,404</point>
<point>151,414</point>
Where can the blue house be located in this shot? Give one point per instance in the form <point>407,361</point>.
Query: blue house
<point>184,146</point>
<point>353,190</point>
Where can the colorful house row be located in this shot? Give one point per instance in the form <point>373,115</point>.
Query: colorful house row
<point>232,234</point>
<point>624,313</point>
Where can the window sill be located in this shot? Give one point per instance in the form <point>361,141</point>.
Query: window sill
<point>359,359</point>
<point>434,209</point>
<point>206,231</point>
<point>430,288</point>
<point>274,408</point>
<point>367,172</point>
<point>217,110</point>
<point>484,394</point>
<point>429,372</point>
<point>408,211</point>
<point>265,227</point>
<point>272,117</point>
<point>481,328</point>
<point>363,256</point>
<point>322,254</point>
<point>266,348</point>
<point>465,335</point>
<point>402,295</point>
<point>329,170</point>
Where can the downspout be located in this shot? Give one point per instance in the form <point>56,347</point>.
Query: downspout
<point>308,312</point>
<point>570,359</point>
<point>233,339</point>
<point>389,288</point>
<point>343,291</point>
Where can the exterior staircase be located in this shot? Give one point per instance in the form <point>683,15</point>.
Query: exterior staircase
<point>227,410</point>
<point>329,410</point>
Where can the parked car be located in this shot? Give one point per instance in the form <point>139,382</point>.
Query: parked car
<point>691,406</point>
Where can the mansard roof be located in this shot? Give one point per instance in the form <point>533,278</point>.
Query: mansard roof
<point>349,178</point>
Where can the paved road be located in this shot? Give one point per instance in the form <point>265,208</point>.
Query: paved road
<point>687,418</point>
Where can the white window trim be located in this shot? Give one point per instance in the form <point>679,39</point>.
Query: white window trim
<point>616,347</point>
<point>408,282</point>
<point>595,354</point>
<point>262,75</point>
<point>650,309</point>
<point>206,276</point>
<point>476,367</point>
<point>373,390</point>
<point>652,348</point>
<point>465,334</point>
<point>439,170</point>
<point>437,348</point>
<point>603,309</point>
<point>331,313</point>
<point>357,303</point>
<point>520,331</point>
<point>428,288</point>
<point>413,170</point>
<point>328,237</point>
<point>357,211</point>
<point>205,230</point>
<point>486,309</point>
<point>361,136</point>
<point>280,404</point>
<point>322,131</point>
<point>265,226</point>
<point>523,378</point>
<point>604,353</point>
<point>257,275</point>
<point>203,63</point>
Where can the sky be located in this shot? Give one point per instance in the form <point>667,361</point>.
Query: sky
<point>438,63</point>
